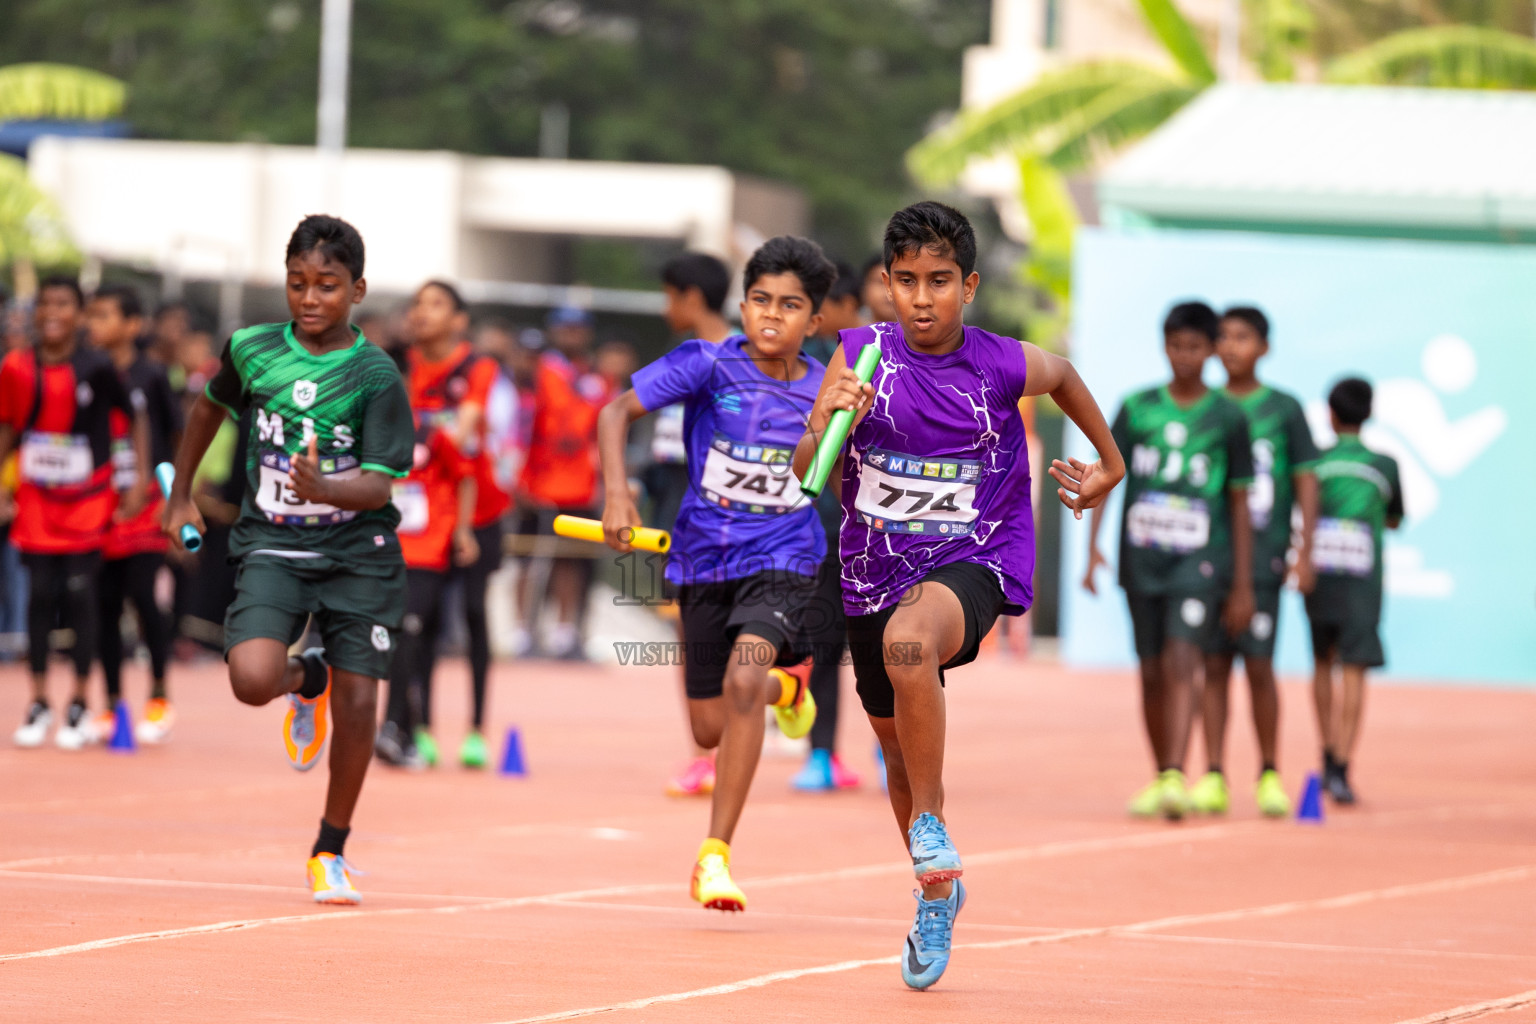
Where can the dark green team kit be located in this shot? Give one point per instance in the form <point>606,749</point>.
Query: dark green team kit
<point>1282,447</point>
<point>1359,494</point>
<point>299,558</point>
<point>1176,533</point>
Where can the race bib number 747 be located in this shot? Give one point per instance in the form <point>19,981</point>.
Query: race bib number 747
<point>749,478</point>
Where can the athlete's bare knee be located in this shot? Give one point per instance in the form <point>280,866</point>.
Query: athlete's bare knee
<point>743,687</point>
<point>252,683</point>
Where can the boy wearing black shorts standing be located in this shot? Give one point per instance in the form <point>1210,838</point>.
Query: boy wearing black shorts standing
<point>330,430</point>
<point>747,545</point>
<point>1283,454</point>
<point>1359,495</point>
<point>1185,541</point>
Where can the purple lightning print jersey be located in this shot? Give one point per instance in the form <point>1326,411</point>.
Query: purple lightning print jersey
<point>938,470</point>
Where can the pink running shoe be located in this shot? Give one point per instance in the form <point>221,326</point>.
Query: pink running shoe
<point>842,776</point>
<point>698,779</point>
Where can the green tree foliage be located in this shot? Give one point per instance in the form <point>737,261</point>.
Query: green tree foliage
<point>824,94</point>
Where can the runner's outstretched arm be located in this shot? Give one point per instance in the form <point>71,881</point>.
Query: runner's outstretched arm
<point>1088,484</point>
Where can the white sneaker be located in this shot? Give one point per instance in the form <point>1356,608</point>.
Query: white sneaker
<point>34,728</point>
<point>77,730</point>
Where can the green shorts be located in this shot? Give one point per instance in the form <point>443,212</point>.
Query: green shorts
<point>358,613</point>
<point>1258,640</point>
<point>1158,618</point>
<point>1345,613</point>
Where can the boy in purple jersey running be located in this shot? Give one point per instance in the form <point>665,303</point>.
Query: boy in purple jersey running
<point>938,536</point>
<point>747,545</point>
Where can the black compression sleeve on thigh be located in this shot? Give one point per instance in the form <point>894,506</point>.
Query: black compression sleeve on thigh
<point>142,572</point>
<point>109,606</point>
<point>80,604</point>
<point>316,675</point>
<point>45,578</point>
<point>331,839</point>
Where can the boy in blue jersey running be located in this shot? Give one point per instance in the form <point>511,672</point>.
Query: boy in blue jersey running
<point>746,546</point>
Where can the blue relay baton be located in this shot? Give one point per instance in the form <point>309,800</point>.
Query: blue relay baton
<point>165,474</point>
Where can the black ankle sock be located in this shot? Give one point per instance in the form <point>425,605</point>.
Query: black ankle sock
<point>1214,769</point>
<point>1329,762</point>
<point>1268,766</point>
<point>157,690</point>
<point>316,675</point>
<point>331,840</point>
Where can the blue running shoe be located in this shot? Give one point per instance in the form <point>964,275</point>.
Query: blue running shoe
<point>927,952</point>
<point>934,858</point>
<point>816,776</point>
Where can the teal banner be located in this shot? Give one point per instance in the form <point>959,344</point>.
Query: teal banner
<point>1446,333</point>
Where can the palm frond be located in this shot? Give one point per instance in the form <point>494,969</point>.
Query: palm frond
<point>1450,56</point>
<point>1178,36</point>
<point>1109,121</point>
<point>1053,216</point>
<point>35,91</point>
<point>31,225</point>
<point>1009,124</point>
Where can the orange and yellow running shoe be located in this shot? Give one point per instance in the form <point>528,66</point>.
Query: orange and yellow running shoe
<point>711,884</point>
<point>155,726</point>
<point>304,726</point>
<point>331,881</point>
<point>796,718</point>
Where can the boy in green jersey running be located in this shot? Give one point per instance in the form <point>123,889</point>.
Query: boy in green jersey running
<point>1359,493</point>
<point>1283,454</point>
<point>1185,540</point>
<point>329,430</point>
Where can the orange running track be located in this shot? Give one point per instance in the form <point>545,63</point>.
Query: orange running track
<point>167,885</point>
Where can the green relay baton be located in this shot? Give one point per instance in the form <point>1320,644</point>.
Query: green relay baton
<point>831,447</point>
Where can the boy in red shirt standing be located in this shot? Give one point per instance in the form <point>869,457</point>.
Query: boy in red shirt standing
<point>56,405</point>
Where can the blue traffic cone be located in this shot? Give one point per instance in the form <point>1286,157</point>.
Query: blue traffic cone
<point>1310,807</point>
<point>122,730</point>
<point>512,754</point>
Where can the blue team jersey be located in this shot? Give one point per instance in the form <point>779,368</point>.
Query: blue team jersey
<point>744,512</point>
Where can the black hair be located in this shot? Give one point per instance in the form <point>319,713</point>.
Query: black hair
<point>877,260</point>
<point>849,283</point>
<point>802,257</point>
<point>448,290</point>
<point>1350,401</point>
<point>127,299</point>
<point>335,238</point>
<point>1192,316</point>
<point>935,227</point>
<point>1253,316</point>
<point>63,281</point>
<point>702,271</point>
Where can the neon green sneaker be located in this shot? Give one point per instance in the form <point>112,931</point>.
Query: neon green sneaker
<point>1175,795</point>
<point>796,720</point>
<point>472,751</point>
<point>1270,795</point>
<point>1148,802</point>
<point>1209,795</point>
<point>426,747</point>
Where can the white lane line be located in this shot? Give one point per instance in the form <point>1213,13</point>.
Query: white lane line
<point>1477,1009</point>
<point>186,883</point>
<point>1312,947</point>
<point>1068,935</point>
<point>693,912</point>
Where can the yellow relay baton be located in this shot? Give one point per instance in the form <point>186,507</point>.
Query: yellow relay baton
<point>643,538</point>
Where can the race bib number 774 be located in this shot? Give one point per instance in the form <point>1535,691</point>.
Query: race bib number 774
<point>903,494</point>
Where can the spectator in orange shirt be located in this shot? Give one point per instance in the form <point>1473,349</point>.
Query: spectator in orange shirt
<point>560,474</point>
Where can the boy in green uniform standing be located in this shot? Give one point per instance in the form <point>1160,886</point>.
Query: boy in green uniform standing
<point>330,429</point>
<point>1283,455</point>
<point>1359,493</point>
<point>1185,540</point>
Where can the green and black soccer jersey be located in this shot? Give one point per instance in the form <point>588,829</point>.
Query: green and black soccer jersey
<point>1282,447</point>
<point>1176,533</point>
<point>1358,493</point>
<point>353,401</point>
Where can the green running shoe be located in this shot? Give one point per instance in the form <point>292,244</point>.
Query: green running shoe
<point>1271,796</point>
<point>426,747</point>
<point>472,751</point>
<point>1209,795</point>
<point>1148,802</point>
<point>1175,795</point>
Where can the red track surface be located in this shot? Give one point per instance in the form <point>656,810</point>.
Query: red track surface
<point>167,885</point>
